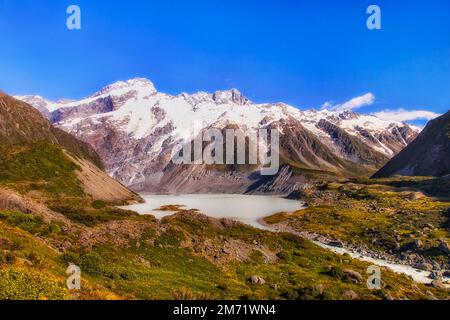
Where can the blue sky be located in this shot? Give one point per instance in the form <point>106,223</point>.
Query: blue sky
<point>304,53</point>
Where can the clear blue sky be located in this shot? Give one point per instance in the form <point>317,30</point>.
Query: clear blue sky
<point>301,52</point>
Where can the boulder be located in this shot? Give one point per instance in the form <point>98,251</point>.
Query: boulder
<point>413,245</point>
<point>444,247</point>
<point>438,285</point>
<point>424,266</point>
<point>436,275</point>
<point>430,226</point>
<point>336,243</point>
<point>354,275</point>
<point>352,295</point>
<point>257,280</point>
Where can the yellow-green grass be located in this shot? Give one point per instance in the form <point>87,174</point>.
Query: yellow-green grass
<point>377,216</point>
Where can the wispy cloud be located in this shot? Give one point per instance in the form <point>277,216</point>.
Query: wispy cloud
<point>406,115</point>
<point>327,105</point>
<point>352,104</point>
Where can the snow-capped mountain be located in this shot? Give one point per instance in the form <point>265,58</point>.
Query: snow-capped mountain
<point>134,129</point>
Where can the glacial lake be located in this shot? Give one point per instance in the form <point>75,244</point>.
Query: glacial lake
<point>248,209</point>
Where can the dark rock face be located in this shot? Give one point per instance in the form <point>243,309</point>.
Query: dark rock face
<point>233,96</point>
<point>428,155</point>
<point>98,106</point>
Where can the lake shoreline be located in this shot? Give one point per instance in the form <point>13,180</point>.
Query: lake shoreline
<point>247,209</point>
<point>211,205</point>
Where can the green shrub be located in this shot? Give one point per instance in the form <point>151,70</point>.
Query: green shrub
<point>23,221</point>
<point>257,257</point>
<point>171,238</point>
<point>22,284</point>
<point>98,204</point>
<point>70,257</point>
<point>28,222</point>
<point>92,264</point>
<point>336,272</point>
<point>76,214</point>
<point>285,256</point>
<point>92,217</point>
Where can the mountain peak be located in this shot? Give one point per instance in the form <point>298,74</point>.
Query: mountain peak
<point>348,115</point>
<point>230,96</point>
<point>36,101</point>
<point>119,87</point>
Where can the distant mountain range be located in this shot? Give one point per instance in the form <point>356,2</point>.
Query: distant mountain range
<point>134,129</point>
<point>428,155</point>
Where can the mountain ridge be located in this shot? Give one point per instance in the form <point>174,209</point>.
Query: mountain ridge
<point>134,128</point>
<point>38,156</point>
<point>428,155</point>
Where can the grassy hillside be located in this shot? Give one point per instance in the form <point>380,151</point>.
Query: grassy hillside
<point>391,216</point>
<point>187,256</point>
<point>40,166</point>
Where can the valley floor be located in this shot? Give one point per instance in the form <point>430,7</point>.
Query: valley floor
<point>400,221</point>
<point>123,255</point>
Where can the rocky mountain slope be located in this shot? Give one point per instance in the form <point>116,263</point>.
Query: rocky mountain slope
<point>134,128</point>
<point>428,155</point>
<point>35,156</point>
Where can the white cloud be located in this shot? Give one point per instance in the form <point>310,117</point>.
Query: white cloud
<point>327,105</point>
<point>354,103</point>
<point>405,115</point>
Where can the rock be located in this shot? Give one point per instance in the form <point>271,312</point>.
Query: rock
<point>337,244</point>
<point>436,275</point>
<point>226,250</point>
<point>424,266</point>
<point>228,223</point>
<point>414,196</point>
<point>444,247</point>
<point>418,244</point>
<point>413,245</point>
<point>352,295</point>
<point>28,263</point>
<point>438,285</point>
<point>257,280</point>
<point>430,226</point>
<point>354,275</point>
